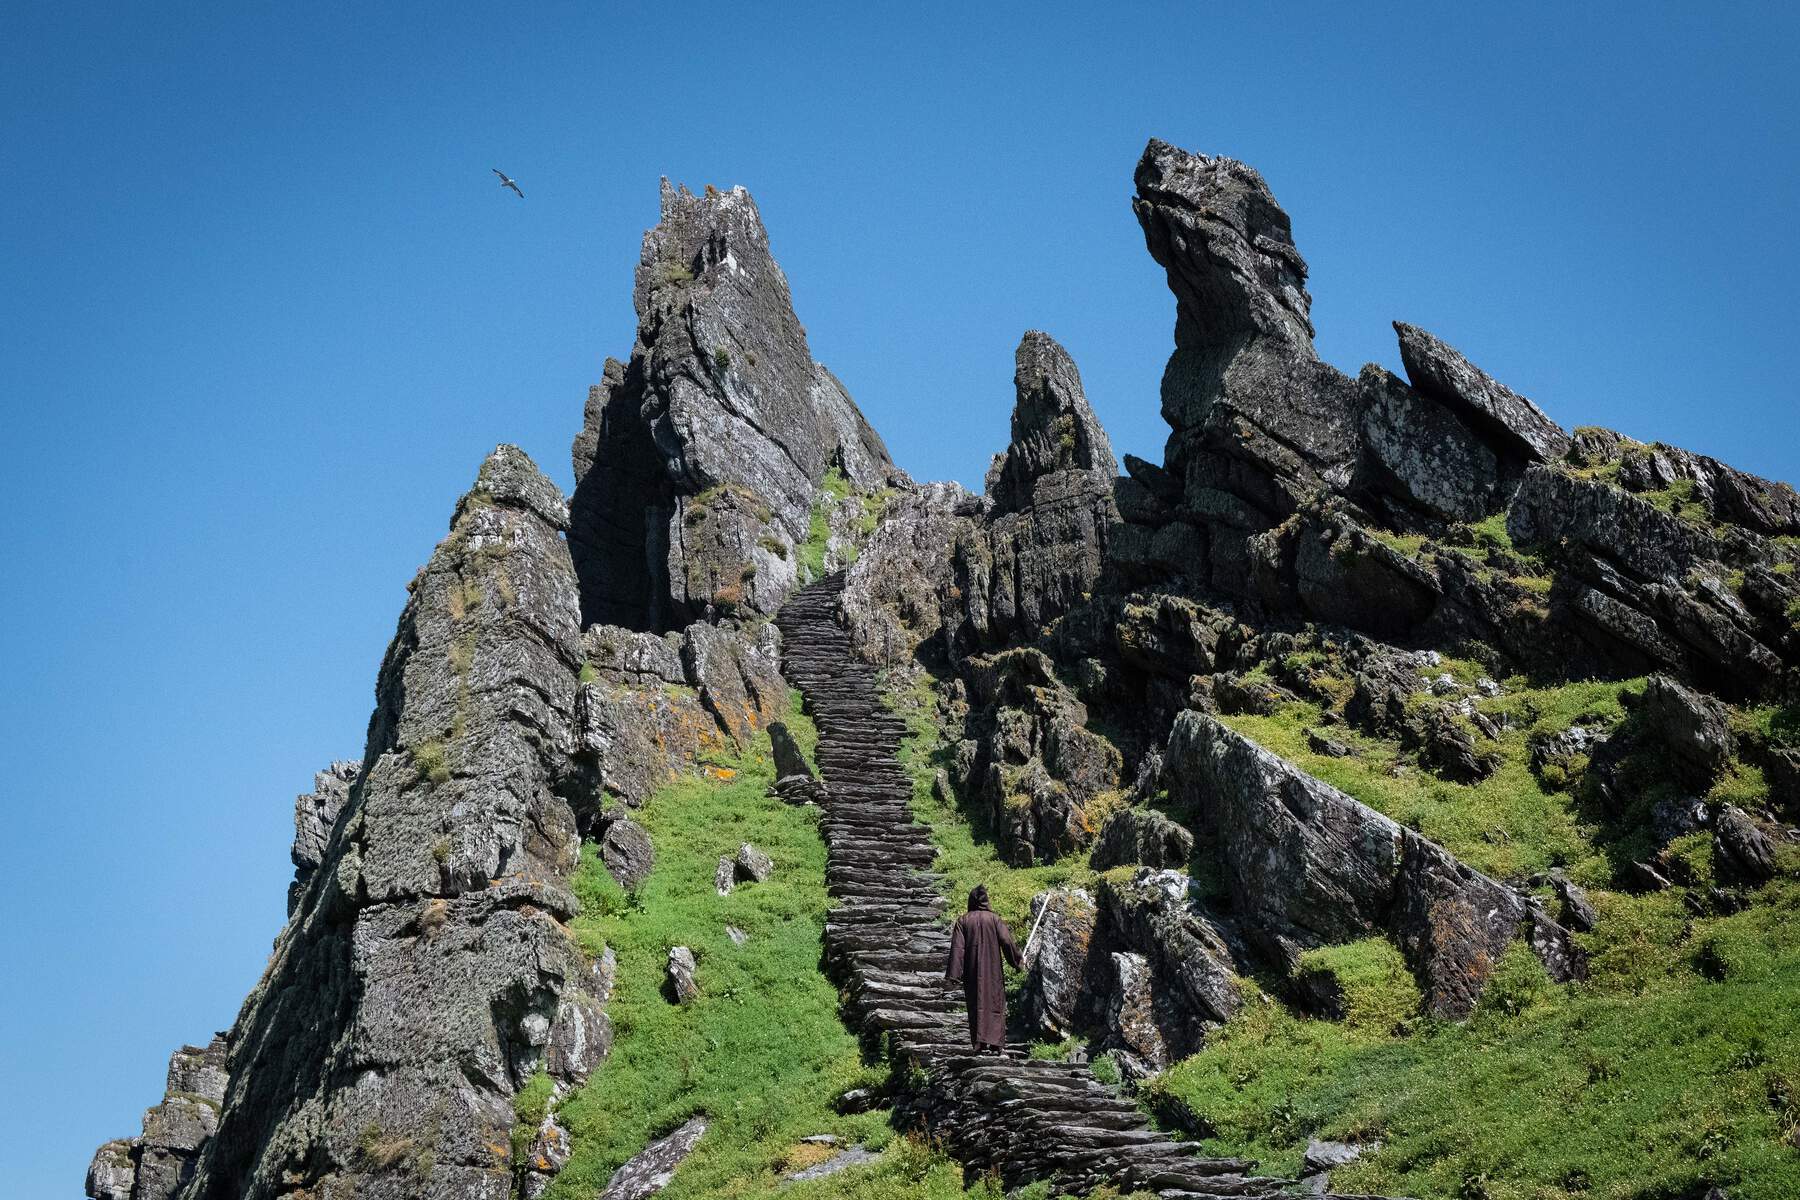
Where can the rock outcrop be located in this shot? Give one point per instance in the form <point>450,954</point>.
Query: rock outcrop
<point>426,971</point>
<point>1309,866</point>
<point>701,457</point>
<point>156,1164</point>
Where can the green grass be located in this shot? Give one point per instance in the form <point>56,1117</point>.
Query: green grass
<point>1667,1072</point>
<point>810,554</point>
<point>762,1051</point>
<point>1509,824</point>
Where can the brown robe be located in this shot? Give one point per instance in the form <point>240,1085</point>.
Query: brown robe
<point>977,945</point>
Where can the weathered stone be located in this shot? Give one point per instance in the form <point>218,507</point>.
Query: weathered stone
<point>113,1172</point>
<point>1141,837</point>
<point>725,875</point>
<point>1745,852</point>
<point>1254,413</point>
<point>684,986</point>
<point>1196,958</point>
<point>649,1171</point>
<point>1133,1031</point>
<point>1322,1155</point>
<point>426,971</point>
<point>1508,421</point>
<point>1057,961</point>
<point>1421,452</point>
<point>855,1156</point>
<point>1690,726</point>
<point>753,864</point>
<point>315,814</point>
<point>1577,910</point>
<point>626,850</point>
<point>1041,548</point>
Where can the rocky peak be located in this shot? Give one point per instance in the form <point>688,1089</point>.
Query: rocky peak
<point>425,972</point>
<point>1053,427</point>
<point>1228,247</point>
<point>701,458</point>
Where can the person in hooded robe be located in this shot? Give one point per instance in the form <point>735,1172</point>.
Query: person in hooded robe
<point>981,946</point>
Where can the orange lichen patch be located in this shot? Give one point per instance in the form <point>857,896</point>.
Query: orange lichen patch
<point>721,773</point>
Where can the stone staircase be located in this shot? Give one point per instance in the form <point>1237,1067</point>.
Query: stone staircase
<point>886,941</point>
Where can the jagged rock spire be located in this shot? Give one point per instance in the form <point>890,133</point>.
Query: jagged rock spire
<point>1053,427</point>
<point>426,972</point>
<point>701,458</point>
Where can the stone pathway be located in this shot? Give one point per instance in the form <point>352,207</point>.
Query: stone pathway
<point>886,940</point>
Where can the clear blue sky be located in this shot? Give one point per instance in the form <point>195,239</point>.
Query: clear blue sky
<point>266,310</point>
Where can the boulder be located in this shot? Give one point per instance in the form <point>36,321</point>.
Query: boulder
<point>626,850</point>
<point>1419,451</point>
<point>649,1171</point>
<point>1308,866</point>
<point>1690,726</point>
<point>1744,851</point>
<point>753,865</point>
<point>683,985</point>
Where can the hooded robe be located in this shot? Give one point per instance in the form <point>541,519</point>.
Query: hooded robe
<point>979,944</point>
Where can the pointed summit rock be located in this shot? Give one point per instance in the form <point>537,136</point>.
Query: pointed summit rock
<point>1053,428</point>
<point>1512,424</point>
<point>701,458</point>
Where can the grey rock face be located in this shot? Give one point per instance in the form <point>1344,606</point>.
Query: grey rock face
<point>315,813</point>
<point>753,864</point>
<point>1255,415</point>
<point>855,1156</point>
<point>1057,966</point>
<point>1507,419</point>
<point>650,1170</point>
<point>1141,837</point>
<point>1745,851</point>
<point>1309,866</point>
<point>113,1172</point>
<point>903,590</point>
<point>1033,763</point>
<point>159,1162</point>
<point>1690,726</point>
<point>1646,586</point>
<point>1423,451</point>
<point>1195,958</point>
<point>626,850</point>
<point>701,458</point>
<point>425,972</point>
<point>1053,428</point>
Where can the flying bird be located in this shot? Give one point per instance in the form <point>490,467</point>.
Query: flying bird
<point>509,183</point>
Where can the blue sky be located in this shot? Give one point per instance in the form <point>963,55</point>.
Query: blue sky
<point>267,310</point>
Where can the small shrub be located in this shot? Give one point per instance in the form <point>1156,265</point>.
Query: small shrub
<point>430,762</point>
<point>721,357</point>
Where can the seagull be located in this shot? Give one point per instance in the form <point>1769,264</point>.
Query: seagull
<point>508,183</point>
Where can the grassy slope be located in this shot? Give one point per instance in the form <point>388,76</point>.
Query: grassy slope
<point>1676,1066</point>
<point>1677,1063</point>
<point>763,1051</point>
